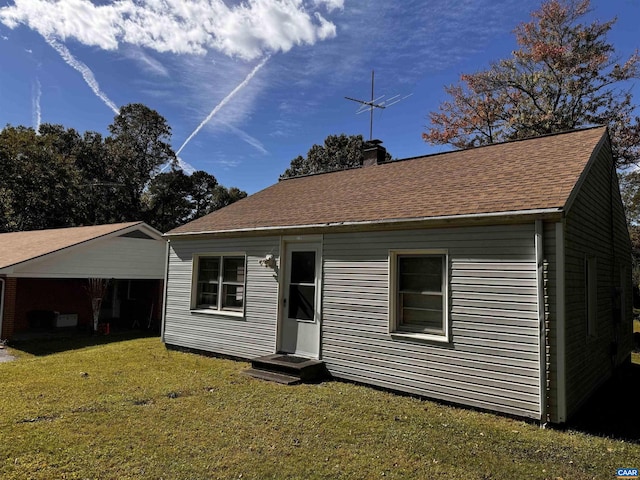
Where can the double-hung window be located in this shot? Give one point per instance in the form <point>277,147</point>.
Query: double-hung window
<point>418,292</point>
<point>220,283</point>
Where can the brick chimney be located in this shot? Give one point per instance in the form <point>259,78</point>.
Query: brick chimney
<point>374,153</point>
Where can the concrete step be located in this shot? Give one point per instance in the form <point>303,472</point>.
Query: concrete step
<point>306,369</point>
<point>273,376</point>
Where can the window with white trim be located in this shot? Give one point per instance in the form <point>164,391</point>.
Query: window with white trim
<point>219,284</point>
<point>419,293</point>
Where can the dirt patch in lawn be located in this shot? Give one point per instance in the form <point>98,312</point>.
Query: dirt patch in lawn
<point>4,355</point>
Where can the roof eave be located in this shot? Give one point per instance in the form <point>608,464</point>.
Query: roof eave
<point>519,216</point>
<point>10,268</point>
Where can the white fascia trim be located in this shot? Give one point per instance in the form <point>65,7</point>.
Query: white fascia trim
<point>148,229</point>
<point>393,221</point>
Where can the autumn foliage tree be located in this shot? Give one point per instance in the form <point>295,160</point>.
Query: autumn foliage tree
<point>564,75</point>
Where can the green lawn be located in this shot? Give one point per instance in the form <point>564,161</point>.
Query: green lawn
<point>132,409</point>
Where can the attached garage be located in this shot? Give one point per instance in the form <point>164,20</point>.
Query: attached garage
<point>44,277</point>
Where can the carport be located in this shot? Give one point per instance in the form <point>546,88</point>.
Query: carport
<point>44,277</point>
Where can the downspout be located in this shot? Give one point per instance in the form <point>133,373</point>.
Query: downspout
<point>166,288</point>
<point>540,276</point>
<point>1,304</point>
<point>561,387</point>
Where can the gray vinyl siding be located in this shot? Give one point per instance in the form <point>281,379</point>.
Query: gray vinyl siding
<point>595,226</point>
<point>252,335</point>
<point>492,361</point>
<point>115,257</point>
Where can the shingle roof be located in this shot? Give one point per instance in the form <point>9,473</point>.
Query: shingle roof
<point>532,174</point>
<point>18,247</point>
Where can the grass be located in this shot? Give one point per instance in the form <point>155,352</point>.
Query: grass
<point>132,409</point>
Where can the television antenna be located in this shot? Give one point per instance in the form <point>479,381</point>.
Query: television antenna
<point>371,105</point>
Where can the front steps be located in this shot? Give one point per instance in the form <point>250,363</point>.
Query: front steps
<point>287,369</point>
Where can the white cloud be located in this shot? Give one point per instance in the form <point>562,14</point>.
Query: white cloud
<point>36,94</point>
<point>85,71</point>
<point>401,48</point>
<point>147,62</point>
<point>224,101</point>
<point>247,30</point>
<point>284,128</point>
<point>250,140</point>
<point>205,83</point>
<point>330,5</point>
<point>186,167</point>
<point>227,163</point>
<point>239,32</point>
<point>79,19</point>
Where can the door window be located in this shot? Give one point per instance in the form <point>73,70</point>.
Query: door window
<point>302,286</point>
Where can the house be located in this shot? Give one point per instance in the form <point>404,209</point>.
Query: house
<point>43,276</point>
<point>497,277</point>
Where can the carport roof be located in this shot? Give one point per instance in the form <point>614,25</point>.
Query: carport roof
<point>19,247</point>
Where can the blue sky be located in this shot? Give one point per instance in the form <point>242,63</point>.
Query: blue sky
<point>248,86</point>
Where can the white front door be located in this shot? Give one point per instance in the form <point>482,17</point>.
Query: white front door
<point>300,307</point>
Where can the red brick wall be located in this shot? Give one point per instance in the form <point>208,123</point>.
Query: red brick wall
<point>69,296</point>
<point>60,295</point>
<point>9,306</point>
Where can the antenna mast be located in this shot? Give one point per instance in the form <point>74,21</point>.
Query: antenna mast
<point>371,105</point>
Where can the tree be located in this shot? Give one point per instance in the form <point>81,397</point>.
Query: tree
<point>174,198</point>
<point>39,184</point>
<point>203,191</point>
<point>167,200</point>
<point>222,196</point>
<point>138,146</point>
<point>102,188</point>
<point>630,190</point>
<point>339,152</point>
<point>564,75</point>
<point>57,177</point>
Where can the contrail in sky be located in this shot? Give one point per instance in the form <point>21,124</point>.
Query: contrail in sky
<point>86,72</point>
<point>35,103</point>
<point>224,101</point>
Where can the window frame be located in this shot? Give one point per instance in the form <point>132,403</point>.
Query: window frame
<point>395,327</point>
<point>219,309</point>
